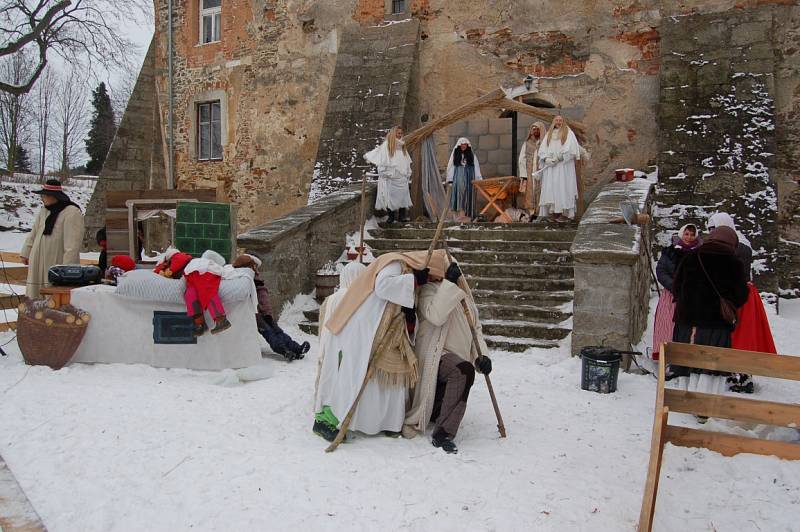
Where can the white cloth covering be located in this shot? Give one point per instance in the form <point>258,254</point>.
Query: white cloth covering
<point>393,175</point>
<point>121,332</point>
<point>451,168</point>
<point>348,274</point>
<point>347,357</point>
<point>559,180</point>
<point>443,327</point>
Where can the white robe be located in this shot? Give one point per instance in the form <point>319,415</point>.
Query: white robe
<point>393,175</point>
<point>380,408</point>
<point>559,180</point>
<point>443,326</point>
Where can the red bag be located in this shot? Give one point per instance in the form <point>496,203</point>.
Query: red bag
<point>752,332</point>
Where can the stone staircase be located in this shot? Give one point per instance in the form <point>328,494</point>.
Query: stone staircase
<point>521,276</point>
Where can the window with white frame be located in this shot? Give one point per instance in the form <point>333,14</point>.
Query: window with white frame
<point>209,131</point>
<point>210,20</point>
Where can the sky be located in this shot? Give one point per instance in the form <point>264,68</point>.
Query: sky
<point>138,30</point>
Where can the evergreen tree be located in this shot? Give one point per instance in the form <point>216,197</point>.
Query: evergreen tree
<point>102,130</point>
<point>22,162</point>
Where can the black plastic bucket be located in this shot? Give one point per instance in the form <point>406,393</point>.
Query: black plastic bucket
<point>600,369</point>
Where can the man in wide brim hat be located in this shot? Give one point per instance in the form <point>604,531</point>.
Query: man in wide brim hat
<point>55,238</point>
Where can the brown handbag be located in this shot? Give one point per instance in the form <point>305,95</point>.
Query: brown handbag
<point>726,308</point>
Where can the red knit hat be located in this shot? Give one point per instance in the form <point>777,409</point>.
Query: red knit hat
<point>123,262</point>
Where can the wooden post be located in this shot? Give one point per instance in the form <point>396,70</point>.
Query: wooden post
<point>418,208</point>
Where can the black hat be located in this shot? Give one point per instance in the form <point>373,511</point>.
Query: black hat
<point>52,187</point>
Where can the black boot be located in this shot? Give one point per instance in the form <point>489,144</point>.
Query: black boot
<point>445,442</point>
<point>324,430</point>
<point>403,215</point>
<point>391,218</point>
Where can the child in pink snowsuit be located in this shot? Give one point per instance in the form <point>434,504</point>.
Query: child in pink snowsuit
<point>203,277</point>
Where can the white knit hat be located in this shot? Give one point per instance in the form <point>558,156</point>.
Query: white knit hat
<point>213,256</point>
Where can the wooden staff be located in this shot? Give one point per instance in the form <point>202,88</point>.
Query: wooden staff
<point>363,220</point>
<point>379,349</point>
<point>501,427</point>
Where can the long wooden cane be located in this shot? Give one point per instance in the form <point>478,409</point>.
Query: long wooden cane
<point>501,427</point>
<point>363,220</point>
<point>377,352</point>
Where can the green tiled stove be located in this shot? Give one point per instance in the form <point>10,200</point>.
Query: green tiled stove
<point>200,226</point>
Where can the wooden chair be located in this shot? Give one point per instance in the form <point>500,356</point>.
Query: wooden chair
<point>718,406</point>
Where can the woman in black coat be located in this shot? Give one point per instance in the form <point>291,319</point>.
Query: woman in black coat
<point>698,316</point>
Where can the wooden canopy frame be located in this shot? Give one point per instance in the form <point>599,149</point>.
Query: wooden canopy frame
<point>495,100</point>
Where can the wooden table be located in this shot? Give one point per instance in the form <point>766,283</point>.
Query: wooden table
<point>61,295</point>
<point>496,190</point>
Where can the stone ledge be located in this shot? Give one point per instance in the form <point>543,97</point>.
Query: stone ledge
<point>265,237</point>
<point>601,242</point>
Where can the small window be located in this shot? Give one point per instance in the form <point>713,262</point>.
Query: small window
<point>398,7</point>
<point>210,20</point>
<point>209,131</point>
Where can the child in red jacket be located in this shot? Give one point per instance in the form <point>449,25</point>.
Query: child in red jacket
<point>203,277</point>
<point>173,264</point>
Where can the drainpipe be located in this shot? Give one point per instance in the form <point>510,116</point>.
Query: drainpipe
<point>514,152</point>
<point>170,130</point>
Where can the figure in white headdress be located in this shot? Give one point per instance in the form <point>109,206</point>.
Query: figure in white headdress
<point>462,169</point>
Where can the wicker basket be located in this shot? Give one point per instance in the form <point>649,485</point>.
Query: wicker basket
<point>48,344</point>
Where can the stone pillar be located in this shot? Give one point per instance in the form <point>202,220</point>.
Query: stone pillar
<point>612,274</point>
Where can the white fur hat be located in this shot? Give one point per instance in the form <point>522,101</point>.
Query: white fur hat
<point>170,252</point>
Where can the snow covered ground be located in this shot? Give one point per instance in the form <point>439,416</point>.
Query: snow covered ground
<point>136,448</point>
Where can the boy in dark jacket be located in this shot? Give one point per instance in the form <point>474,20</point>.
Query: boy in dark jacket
<point>279,341</point>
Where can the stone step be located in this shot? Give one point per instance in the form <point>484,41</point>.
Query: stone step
<point>511,257</point>
<point>496,311</point>
<point>522,284</point>
<point>518,345</point>
<point>455,233</point>
<point>483,225</point>
<point>501,334</point>
<point>537,271</point>
<point>416,244</point>
<point>524,329</point>
<point>512,297</point>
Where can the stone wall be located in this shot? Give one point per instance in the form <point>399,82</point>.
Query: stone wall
<point>367,97</point>
<point>135,160</point>
<point>612,271</point>
<point>295,246</point>
<point>717,120</point>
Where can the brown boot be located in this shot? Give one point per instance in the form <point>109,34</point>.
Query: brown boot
<point>200,326</point>
<point>222,325</point>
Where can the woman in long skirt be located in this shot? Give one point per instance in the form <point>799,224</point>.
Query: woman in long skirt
<point>686,241</point>
<point>462,169</point>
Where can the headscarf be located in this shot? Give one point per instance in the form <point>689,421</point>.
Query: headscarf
<point>451,166</point>
<point>721,241</point>
<point>723,219</point>
<point>214,257</point>
<point>364,284</point>
<point>680,243</point>
<point>349,274</point>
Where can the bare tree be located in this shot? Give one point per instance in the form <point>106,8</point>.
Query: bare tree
<point>81,31</point>
<point>15,112</point>
<point>44,101</point>
<point>70,121</point>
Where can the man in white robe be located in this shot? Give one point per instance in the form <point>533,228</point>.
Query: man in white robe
<point>447,358</point>
<point>557,156</point>
<point>384,294</point>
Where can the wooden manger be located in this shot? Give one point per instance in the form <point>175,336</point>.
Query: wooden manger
<point>718,406</point>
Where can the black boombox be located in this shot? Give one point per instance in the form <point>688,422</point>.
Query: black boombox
<point>73,275</point>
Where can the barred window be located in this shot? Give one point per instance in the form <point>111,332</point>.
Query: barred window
<point>210,20</point>
<point>209,131</point>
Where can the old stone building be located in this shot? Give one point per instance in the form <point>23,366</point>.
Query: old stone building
<point>275,100</point>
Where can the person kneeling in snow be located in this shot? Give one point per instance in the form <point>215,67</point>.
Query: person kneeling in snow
<point>278,341</point>
<point>447,357</point>
<point>203,276</point>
